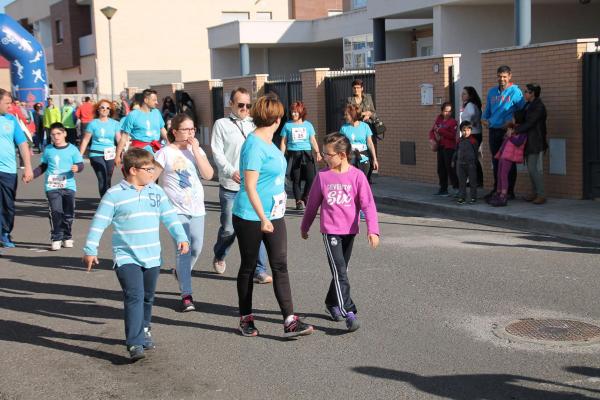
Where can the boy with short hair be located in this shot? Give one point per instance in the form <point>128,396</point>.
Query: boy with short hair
<point>60,161</point>
<point>135,207</point>
<point>465,162</point>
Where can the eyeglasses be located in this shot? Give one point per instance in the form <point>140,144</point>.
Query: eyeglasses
<point>147,169</point>
<point>327,155</point>
<point>242,105</point>
<point>103,108</point>
<point>188,130</point>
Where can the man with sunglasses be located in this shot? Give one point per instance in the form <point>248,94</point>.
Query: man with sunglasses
<point>228,136</point>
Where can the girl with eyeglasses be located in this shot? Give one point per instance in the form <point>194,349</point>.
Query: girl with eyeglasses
<point>180,163</point>
<point>104,133</point>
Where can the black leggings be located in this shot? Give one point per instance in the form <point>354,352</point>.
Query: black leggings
<point>302,166</point>
<point>249,237</point>
<point>339,250</point>
<point>444,168</point>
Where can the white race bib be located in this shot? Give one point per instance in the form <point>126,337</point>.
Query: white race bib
<point>57,181</point>
<point>279,205</point>
<point>299,134</point>
<point>359,147</point>
<point>110,153</point>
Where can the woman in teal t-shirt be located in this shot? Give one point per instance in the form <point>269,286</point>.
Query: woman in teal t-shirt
<point>298,138</point>
<point>359,135</point>
<point>258,215</point>
<point>104,132</point>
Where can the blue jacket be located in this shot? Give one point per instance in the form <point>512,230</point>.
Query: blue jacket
<point>501,105</point>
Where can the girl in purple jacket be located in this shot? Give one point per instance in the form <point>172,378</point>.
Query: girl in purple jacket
<point>341,191</point>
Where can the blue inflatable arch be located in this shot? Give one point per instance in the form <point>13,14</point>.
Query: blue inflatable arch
<point>27,62</point>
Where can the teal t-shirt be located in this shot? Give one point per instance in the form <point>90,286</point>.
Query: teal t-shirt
<point>59,162</point>
<point>11,135</point>
<point>267,159</point>
<point>298,135</point>
<point>144,126</point>
<point>103,134</point>
<point>358,137</point>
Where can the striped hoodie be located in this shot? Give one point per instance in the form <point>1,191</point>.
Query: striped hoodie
<point>135,216</point>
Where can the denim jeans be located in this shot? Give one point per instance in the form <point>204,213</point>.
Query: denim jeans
<point>104,170</point>
<point>535,167</point>
<point>139,285</point>
<point>194,229</point>
<point>226,234</point>
<point>62,213</point>
<point>8,192</point>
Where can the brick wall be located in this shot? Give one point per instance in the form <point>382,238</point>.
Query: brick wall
<point>557,68</point>
<point>200,92</point>
<point>399,106</point>
<point>254,83</point>
<point>312,9</point>
<point>313,97</point>
<point>163,91</point>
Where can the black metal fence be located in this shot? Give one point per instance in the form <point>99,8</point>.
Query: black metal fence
<point>591,125</point>
<point>217,102</point>
<point>288,91</point>
<point>338,87</point>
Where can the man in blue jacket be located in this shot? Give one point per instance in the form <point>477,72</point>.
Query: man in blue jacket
<point>502,101</point>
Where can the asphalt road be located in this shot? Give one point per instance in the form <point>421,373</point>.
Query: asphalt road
<point>430,299</point>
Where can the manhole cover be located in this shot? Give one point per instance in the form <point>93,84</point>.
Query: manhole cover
<point>558,330</point>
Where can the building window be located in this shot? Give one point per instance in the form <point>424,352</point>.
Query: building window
<point>59,31</point>
<point>359,4</point>
<point>358,51</point>
<point>425,47</point>
<point>228,16</point>
<point>264,15</point>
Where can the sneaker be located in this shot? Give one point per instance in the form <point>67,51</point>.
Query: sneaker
<point>460,200</point>
<point>187,304</point>
<point>219,266</point>
<point>499,201</point>
<point>473,201</point>
<point>296,328</point>
<point>136,353</point>
<point>68,243</point>
<point>5,241</point>
<point>148,342</point>
<point>441,193</point>
<point>299,205</point>
<point>247,327</point>
<point>56,245</point>
<point>352,322</point>
<point>488,197</point>
<point>335,313</point>
<point>263,277</point>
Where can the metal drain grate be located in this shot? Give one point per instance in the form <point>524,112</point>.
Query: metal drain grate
<point>558,330</point>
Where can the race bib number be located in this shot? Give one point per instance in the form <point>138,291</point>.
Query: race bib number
<point>359,147</point>
<point>110,153</point>
<point>299,134</point>
<point>57,181</point>
<point>279,204</point>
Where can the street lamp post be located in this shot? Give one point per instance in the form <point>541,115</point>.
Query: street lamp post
<point>109,12</point>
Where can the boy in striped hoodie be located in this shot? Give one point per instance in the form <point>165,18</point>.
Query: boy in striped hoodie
<point>135,207</point>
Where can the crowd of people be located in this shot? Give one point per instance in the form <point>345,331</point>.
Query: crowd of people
<point>516,122</point>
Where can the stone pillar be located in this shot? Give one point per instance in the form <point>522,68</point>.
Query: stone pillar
<point>522,22</point>
<point>244,59</point>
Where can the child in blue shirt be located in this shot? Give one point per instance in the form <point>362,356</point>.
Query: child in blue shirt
<point>60,161</point>
<point>135,207</point>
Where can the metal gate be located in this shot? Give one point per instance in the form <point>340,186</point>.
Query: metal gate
<point>288,91</point>
<point>591,125</point>
<point>338,87</point>
<point>217,102</point>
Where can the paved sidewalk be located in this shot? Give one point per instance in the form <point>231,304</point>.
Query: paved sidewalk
<point>562,217</point>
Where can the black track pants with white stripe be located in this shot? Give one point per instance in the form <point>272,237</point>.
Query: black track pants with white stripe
<point>339,250</point>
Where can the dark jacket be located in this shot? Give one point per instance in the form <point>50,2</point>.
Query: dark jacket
<point>466,151</point>
<point>534,127</point>
<point>365,105</point>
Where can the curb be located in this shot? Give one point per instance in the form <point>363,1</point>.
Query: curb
<point>469,214</point>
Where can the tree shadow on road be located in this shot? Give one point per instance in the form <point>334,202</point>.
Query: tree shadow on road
<point>482,386</point>
<point>84,208</point>
<point>586,371</point>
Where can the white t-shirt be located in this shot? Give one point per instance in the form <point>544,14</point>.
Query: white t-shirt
<point>180,180</point>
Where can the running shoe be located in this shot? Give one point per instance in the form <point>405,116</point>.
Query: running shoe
<point>296,328</point>
<point>335,312</point>
<point>148,342</point>
<point>352,322</point>
<point>247,327</point>
<point>299,205</point>
<point>219,266</point>
<point>136,353</point>
<point>263,277</point>
<point>473,200</point>
<point>68,243</point>
<point>56,245</point>
<point>187,304</point>
<point>5,241</point>
<point>460,201</point>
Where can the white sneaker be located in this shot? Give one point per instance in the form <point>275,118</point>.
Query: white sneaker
<point>68,243</point>
<point>219,266</point>
<point>56,245</point>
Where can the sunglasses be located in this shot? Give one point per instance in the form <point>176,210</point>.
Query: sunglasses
<point>103,108</point>
<point>242,105</point>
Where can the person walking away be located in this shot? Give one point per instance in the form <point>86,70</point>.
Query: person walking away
<point>443,133</point>
<point>179,163</point>
<point>60,161</point>
<point>465,162</point>
<point>228,136</point>
<point>135,208</point>
<point>340,191</point>
<point>502,101</point>
<point>38,118</point>
<point>68,121</point>
<point>298,137</point>
<point>85,113</point>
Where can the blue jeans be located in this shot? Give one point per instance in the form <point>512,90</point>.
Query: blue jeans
<point>104,170</point>
<point>8,192</point>
<point>139,285</point>
<point>226,234</point>
<point>194,229</point>
<point>62,213</point>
